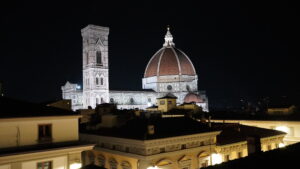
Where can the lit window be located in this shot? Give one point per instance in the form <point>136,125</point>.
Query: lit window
<point>44,165</point>
<point>44,132</point>
<point>169,102</point>
<point>162,102</point>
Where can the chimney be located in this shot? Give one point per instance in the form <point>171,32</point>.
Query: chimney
<point>151,129</point>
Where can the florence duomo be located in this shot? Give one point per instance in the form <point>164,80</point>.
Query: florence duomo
<point>106,85</point>
<point>168,72</point>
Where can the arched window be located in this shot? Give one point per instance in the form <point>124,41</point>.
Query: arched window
<point>131,101</point>
<point>91,157</point>
<point>87,58</point>
<point>98,58</point>
<point>112,100</point>
<point>97,100</point>
<point>101,81</point>
<point>113,163</point>
<point>97,81</point>
<point>125,165</point>
<point>101,160</point>
<point>102,101</point>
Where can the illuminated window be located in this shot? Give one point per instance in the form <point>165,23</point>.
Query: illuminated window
<point>44,165</point>
<point>44,132</point>
<point>98,57</point>
<point>162,102</point>
<point>169,102</point>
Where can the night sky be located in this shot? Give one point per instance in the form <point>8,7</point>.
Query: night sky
<point>240,49</point>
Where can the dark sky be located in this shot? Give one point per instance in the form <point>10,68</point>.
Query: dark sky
<point>240,49</point>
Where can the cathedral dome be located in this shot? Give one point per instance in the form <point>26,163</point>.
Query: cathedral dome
<point>192,98</point>
<point>169,61</point>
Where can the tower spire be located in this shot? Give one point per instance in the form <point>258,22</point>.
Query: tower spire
<point>168,38</point>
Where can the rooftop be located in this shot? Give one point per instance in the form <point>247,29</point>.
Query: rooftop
<point>259,116</point>
<point>234,132</point>
<point>13,108</point>
<point>41,147</point>
<point>163,127</point>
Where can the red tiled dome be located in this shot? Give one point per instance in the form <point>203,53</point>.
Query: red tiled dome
<point>169,61</point>
<point>192,97</point>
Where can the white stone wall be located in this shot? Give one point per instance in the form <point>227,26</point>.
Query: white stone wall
<point>177,82</point>
<point>74,93</point>
<point>95,65</point>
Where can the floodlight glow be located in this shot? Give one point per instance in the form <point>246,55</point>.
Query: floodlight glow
<point>78,86</point>
<point>281,145</point>
<point>283,128</point>
<point>75,166</point>
<point>152,167</point>
<point>216,159</point>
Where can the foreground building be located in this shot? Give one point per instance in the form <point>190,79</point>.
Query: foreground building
<point>169,71</point>
<point>288,124</point>
<point>175,143</point>
<point>162,143</point>
<point>38,137</point>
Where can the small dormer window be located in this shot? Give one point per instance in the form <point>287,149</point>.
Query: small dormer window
<point>99,57</point>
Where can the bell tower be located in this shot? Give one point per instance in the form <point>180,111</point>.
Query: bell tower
<point>95,65</point>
